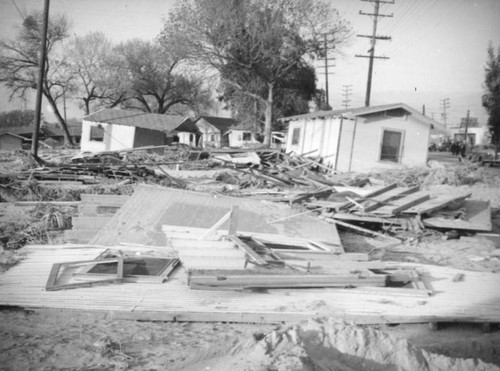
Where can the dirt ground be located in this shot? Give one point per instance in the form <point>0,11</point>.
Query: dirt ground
<point>77,340</point>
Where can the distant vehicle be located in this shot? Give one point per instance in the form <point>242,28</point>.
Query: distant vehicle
<point>484,154</point>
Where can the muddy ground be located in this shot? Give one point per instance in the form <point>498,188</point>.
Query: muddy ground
<point>77,340</point>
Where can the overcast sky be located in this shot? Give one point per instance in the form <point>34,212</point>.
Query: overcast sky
<point>438,47</point>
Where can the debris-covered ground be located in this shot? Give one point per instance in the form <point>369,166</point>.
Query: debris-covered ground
<point>87,341</point>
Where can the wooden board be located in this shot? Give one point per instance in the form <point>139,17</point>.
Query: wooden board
<point>402,203</point>
<point>437,202</point>
<point>382,199</point>
<point>477,218</point>
<point>474,299</point>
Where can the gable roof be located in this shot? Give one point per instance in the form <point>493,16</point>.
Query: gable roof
<point>151,121</point>
<point>221,123</point>
<point>188,125</point>
<point>363,111</point>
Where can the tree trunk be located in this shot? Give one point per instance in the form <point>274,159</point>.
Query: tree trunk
<point>67,137</point>
<point>268,116</point>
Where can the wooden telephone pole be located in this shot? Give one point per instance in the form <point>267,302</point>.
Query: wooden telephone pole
<point>326,47</point>
<point>373,39</point>
<point>41,72</point>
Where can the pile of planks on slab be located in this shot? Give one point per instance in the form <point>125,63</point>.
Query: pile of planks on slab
<point>401,208</point>
<point>244,261</point>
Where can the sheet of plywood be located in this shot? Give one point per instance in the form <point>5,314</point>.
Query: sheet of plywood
<point>477,218</point>
<point>140,219</point>
<point>474,299</point>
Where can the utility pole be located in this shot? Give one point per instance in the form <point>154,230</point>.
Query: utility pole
<point>373,39</point>
<point>467,118</point>
<point>41,72</point>
<point>326,65</point>
<point>446,104</point>
<point>346,92</point>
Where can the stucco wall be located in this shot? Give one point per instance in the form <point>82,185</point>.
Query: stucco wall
<point>236,138</point>
<point>207,132</point>
<point>359,148</point>
<point>115,137</point>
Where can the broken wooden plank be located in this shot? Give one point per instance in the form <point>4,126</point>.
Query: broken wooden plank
<point>246,280</point>
<point>385,197</point>
<point>248,250</point>
<point>402,203</point>
<point>437,202</point>
<point>364,230</point>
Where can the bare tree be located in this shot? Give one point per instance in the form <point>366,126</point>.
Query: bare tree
<point>97,80</point>
<point>254,43</point>
<point>19,63</point>
<point>154,79</point>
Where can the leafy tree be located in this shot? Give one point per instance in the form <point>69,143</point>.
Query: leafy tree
<point>154,79</point>
<point>97,80</point>
<point>255,45</point>
<point>16,118</point>
<point>491,98</point>
<point>19,62</point>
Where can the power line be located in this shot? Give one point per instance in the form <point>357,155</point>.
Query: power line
<point>445,103</point>
<point>373,39</point>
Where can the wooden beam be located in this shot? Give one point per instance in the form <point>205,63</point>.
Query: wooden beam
<point>403,203</point>
<point>364,230</point>
<point>248,250</point>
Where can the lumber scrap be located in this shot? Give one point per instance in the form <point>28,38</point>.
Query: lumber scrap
<point>364,230</point>
<point>256,258</point>
<point>437,202</point>
<point>249,280</point>
<point>384,198</point>
<point>402,203</point>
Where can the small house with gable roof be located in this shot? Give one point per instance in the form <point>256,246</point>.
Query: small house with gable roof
<point>363,139</point>
<point>115,129</point>
<point>219,132</point>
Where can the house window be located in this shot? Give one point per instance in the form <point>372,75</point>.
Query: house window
<point>97,133</point>
<point>295,136</point>
<point>391,146</point>
<point>212,138</point>
<point>247,136</point>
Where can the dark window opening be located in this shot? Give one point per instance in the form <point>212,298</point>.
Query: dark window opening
<point>295,136</point>
<point>97,133</point>
<point>247,136</point>
<point>391,146</point>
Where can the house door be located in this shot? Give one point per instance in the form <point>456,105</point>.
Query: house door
<point>391,146</point>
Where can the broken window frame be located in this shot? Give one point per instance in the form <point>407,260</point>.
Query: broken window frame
<point>161,277</point>
<point>53,285</point>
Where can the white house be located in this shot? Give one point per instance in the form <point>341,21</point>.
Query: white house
<point>114,129</point>
<point>219,132</point>
<point>363,139</point>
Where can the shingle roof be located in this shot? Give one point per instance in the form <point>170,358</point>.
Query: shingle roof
<point>222,123</point>
<point>362,111</point>
<point>152,121</point>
